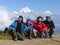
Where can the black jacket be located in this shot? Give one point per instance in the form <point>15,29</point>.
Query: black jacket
<point>19,26</point>
<point>50,24</point>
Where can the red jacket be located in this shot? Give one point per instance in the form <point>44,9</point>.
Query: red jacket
<point>39,27</point>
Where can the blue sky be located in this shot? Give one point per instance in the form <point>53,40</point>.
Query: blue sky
<point>37,5</point>
<point>13,8</point>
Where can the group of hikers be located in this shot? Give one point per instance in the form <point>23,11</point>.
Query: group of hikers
<point>20,30</point>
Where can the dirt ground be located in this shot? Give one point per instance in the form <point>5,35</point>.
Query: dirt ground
<point>54,41</point>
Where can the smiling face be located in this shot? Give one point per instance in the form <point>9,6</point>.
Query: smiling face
<point>40,19</point>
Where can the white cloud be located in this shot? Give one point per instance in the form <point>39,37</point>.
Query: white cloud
<point>6,17</point>
<point>25,10</point>
<point>15,12</point>
<point>47,13</point>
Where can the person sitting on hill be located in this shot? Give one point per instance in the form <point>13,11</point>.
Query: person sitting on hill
<point>40,27</point>
<point>16,29</point>
<point>50,25</point>
<point>28,29</point>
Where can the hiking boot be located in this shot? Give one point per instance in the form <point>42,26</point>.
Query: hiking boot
<point>15,39</point>
<point>30,38</point>
<point>50,36</point>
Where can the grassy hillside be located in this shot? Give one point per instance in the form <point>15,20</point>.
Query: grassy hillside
<point>4,34</point>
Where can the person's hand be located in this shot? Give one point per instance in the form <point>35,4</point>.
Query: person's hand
<point>48,29</point>
<point>13,28</point>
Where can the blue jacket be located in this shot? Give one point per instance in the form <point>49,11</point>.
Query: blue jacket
<point>28,27</point>
<point>14,25</point>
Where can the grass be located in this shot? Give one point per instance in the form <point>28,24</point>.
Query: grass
<point>5,35</point>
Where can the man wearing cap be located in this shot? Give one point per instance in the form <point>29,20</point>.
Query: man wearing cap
<point>28,29</point>
<point>16,29</point>
<point>50,25</point>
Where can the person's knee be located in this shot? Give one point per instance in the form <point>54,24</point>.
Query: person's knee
<point>13,29</point>
<point>52,31</point>
<point>24,30</point>
<point>35,32</point>
<point>30,29</point>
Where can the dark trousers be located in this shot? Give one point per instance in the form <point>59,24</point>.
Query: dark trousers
<point>28,33</point>
<point>51,32</point>
<point>42,34</point>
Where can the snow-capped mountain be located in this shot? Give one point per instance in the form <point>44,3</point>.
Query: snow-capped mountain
<point>6,17</point>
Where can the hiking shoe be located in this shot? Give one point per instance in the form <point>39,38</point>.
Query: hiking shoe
<point>15,39</point>
<point>30,38</point>
<point>50,37</point>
